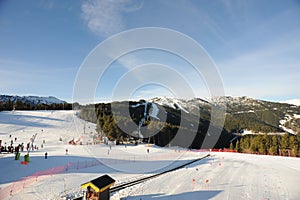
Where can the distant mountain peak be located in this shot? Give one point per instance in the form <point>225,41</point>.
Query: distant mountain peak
<point>244,112</point>
<point>35,100</point>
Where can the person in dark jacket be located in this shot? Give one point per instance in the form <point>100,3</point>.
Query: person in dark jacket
<point>89,193</point>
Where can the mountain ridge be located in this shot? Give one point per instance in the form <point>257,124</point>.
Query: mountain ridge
<point>31,99</point>
<point>14,102</point>
<point>274,116</point>
<point>243,115</point>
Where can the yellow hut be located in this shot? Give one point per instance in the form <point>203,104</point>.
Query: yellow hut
<point>98,189</point>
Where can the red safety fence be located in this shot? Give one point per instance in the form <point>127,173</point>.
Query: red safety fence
<point>217,150</point>
<point>19,185</point>
<point>224,150</point>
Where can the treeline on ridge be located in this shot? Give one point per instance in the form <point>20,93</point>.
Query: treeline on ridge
<point>252,121</point>
<point>107,123</point>
<point>19,105</point>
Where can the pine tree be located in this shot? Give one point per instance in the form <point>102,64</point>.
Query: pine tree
<point>274,141</point>
<point>284,142</point>
<point>267,141</point>
<point>274,145</point>
<point>246,143</point>
<point>253,145</point>
<point>238,147</point>
<point>293,145</point>
<point>295,150</point>
<point>231,146</point>
<point>273,150</point>
<point>292,141</point>
<point>262,148</point>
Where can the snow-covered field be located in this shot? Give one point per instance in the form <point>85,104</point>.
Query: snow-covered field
<point>220,176</point>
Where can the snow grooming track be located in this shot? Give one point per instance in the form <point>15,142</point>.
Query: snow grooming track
<point>135,182</point>
<point>141,180</point>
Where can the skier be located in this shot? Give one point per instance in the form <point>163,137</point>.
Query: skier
<point>66,151</point>
<point>17,149</point>
<point>46,155</point>
<point>89,194</point>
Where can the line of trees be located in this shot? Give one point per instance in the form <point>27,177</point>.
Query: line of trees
<point>101,114</point>
<point>249,121</point>
<point>19,105</point>
<point>284,145</point>
<point>155,131</point>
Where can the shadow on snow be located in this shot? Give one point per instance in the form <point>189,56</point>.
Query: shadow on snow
<point>12,170</point>
<point>197,195</point>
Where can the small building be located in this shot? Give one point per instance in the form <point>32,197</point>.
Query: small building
<point>100,187</point>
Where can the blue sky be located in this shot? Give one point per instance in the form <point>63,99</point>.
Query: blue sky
<point>254,44</point>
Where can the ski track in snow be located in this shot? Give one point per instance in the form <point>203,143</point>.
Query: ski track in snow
<point>154,111</point>
<point>221,176</point>
<point>238,177</point>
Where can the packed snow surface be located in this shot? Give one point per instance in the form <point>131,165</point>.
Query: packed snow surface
<point>220,176</point>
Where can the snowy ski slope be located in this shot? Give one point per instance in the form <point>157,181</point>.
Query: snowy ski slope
<point>221,176</point>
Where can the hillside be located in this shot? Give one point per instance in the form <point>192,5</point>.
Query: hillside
<point>145,118</point>
<point>244,113</point>
<point>243,116</point>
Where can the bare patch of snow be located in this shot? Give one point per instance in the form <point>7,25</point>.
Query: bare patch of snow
<point>154,111</point>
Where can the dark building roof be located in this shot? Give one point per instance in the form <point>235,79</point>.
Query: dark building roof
<point>100,184</point>
<point>103,181</point>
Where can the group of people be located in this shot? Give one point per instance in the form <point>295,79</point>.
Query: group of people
<point>12,147</point>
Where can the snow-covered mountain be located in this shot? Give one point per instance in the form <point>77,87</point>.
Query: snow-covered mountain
<point>244,112</point>
<point>34,100</point>
<point>178,104</point>
<point>186,105</point>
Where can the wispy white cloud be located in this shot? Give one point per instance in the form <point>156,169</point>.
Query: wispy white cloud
<point>4,62</point>
<point>104,17</point>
